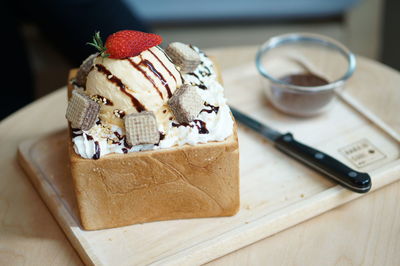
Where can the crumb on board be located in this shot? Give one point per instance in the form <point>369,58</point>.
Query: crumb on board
<point>246,206</point>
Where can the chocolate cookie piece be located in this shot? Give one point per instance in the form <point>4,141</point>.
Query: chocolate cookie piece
<point>186,103</point>
<point>82,111</point>
<point>141,128</point>
<point>84,69</point>
<point>183,56</point>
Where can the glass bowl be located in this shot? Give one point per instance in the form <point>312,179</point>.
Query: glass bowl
<point>301,72</point>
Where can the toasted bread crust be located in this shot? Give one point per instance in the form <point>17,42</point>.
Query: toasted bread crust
<point>174,183</point>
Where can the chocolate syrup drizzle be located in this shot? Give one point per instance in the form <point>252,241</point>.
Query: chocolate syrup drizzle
<point>137,67</point>
<point>150,66</point>
<point>158,74</point>
<point>201,126</point>
<point>138,105</point>
<point>126,144</point>
<point>201,85</point>
<point>162,136</point>
<point>205,73</point>
<point>194,74</point>
<point>74,134</point>
<point>96,154</point>
<point>119,136</point>
<point>159,48</point>
<point>161,62</point>
<point>214,109</point>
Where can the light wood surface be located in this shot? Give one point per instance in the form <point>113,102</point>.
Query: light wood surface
<point>363,232</point>
<point>276,192</point>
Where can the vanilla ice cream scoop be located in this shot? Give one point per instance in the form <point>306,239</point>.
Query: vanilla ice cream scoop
<point>141,83</point>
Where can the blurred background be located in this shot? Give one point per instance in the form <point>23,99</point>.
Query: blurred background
<point>48,37</point>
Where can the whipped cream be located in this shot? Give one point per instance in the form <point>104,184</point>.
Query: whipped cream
<point>214,123</point>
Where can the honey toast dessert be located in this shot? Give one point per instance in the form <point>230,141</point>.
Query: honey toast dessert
<point>151,135</point>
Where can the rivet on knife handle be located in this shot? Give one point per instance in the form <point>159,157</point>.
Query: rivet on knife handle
<point>352,179</point>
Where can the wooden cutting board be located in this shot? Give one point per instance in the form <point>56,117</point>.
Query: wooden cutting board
<point>276,191</point>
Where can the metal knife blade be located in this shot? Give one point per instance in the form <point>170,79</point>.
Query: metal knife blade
<point>322,162</point>
<point>264,130</point>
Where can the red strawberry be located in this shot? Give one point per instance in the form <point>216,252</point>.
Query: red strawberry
<point>125,43</point>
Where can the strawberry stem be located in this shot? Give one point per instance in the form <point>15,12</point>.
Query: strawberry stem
<point>98,44</point>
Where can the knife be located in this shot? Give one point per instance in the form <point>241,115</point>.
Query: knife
<point>356,181</point>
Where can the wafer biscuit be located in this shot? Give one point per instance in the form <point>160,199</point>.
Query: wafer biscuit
<point>141,128</point>
<point>186,103</point>
<point>82,111</point>
<point>84,70</point>
<point>183,56</point>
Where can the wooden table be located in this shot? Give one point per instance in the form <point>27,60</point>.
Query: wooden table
<point>365,231</point>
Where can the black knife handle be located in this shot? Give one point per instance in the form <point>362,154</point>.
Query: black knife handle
<point>355,181</point>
